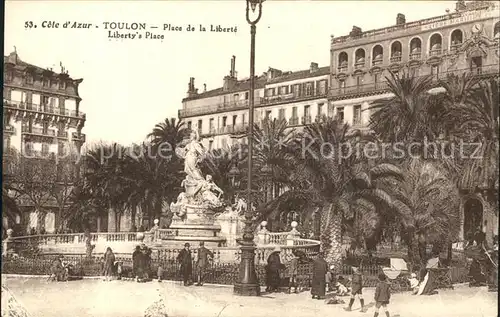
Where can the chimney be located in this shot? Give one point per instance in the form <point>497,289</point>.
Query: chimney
<point>204,87</point>
<point>400,19</point>
<point>313,67</point>
<point>191,90</point>
<point>273,73</point>
<point>230,81</point>
<point>356,31</point>
<point>460,5</point>
<point>232,72</point>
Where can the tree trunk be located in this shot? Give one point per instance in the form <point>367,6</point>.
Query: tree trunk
<point>331,236</point>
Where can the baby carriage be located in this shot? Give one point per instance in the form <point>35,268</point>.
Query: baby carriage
<point>398,268</point>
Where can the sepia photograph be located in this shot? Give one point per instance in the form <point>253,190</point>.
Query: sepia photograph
<point>250,158</point>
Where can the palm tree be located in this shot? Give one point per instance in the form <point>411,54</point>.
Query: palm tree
<point>476,120</point>
<point>324,175</point>
<point>154,180</point>
<point>104,178</point>
<point>407,116</point>
<point>427,201</point>
<point>167,134</point>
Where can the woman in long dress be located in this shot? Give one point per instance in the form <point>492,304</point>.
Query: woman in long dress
<point>109,263</point>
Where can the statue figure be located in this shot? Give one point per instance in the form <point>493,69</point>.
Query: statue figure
<point>198,190</point>
<point>179,207</point>
<point>207,191</point>
<point>192,153</point>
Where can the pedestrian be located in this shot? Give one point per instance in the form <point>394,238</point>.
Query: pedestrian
<point>137,263</point>
<point>382,295</point>
<point>146,256</point>
<point>273,268</point>
<point>109,264</point>
<point>331,280</point>
<point>356,289</point>
<point>185,259</point>
<point>204,255</point>
<point>320,267</point>
<point>293,271</point>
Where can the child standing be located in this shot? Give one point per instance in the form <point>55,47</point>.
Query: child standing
<point>356,289</point>
<point>382,295</point>
<point>294,267</point>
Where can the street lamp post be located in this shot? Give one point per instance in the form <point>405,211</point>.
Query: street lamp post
<point>248,283</point>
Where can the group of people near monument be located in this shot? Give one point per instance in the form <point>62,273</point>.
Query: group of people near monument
<point>185,259</point>
<point>323,279</point>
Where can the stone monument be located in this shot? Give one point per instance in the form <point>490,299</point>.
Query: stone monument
<point>196,208</point>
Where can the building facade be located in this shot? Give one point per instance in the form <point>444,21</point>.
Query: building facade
<point>41,120</point>
<point>298,97</point>
<point>466,40</point>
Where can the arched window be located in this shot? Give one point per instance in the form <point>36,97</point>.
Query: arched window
<point>457,38</point>
<point>396,49</point>
<point>436,43</point>
<point>343,61</point>
<point>378,55</point>
<point>359,56</point>
<point>415,48</point>
<point>496,30</point>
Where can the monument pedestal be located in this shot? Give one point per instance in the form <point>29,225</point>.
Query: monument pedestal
<point>197,224</point>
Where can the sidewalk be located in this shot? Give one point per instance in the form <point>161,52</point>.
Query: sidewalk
<point>128,299</point>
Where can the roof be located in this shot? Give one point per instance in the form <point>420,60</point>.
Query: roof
<point>13,58</point>
<point>301,74</point>
<point>261,81</point>
<point>240,85</point>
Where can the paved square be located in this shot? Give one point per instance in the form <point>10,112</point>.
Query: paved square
<point>129,299</point>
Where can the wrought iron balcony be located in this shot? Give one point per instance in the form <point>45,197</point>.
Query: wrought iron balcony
<point>9,129</point>
<point>42,108</point>
<point>293,97</point>
<point>218,107</point>
<point>75,137</point>
<point>38,131</point>
<point>306,119</point>
<point>344,92</point>
<point>293,121</point>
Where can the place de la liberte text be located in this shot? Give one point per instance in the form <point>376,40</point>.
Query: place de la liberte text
<point>125,30</point>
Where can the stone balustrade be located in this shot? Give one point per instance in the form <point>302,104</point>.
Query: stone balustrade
<point>125,242</point>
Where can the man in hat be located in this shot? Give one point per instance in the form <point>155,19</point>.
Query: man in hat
<point>318,284</point>
<point>203,259</point>
<point>273,268</point>
<point>185,259</point>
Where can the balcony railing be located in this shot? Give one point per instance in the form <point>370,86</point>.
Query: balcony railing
<point>378,61</point>
<point>342,69</point>
<point>411,25</point>
<point>382,86</point>
<point>395,59</point>
<point>415,56</point>
<point>436,52</point>
<point>219,107</point>
<point>38,131</point>
<point>42,108</point>
<point>75,137</point>
<point>359,65</point>
<point>306,119</point>
<point>62,134</point>
<point>9,129</point>
<point>292,97</point>
<point>293,121</point>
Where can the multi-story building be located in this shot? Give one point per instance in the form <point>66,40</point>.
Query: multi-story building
<point>41,119</point>
<point>466,40</point>
<point>298,97</point>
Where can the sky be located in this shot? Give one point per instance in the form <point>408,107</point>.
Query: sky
<point>130,85</point>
